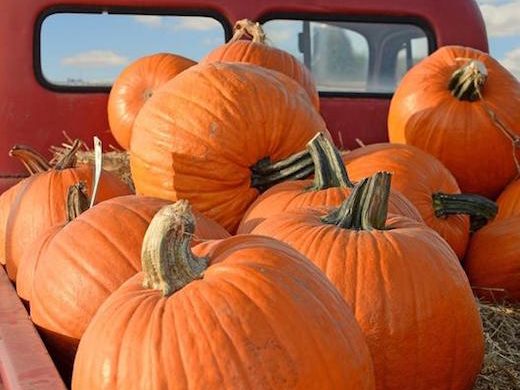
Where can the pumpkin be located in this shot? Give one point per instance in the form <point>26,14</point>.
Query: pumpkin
<point>331,185</point>
<point>134,86</point>
<point>244,312</point>
<point>429,185</point>
<point>34,163</point>
<point>256,51</point>
<point>88,260</point>
<point>509,201</point>
<point>41,204</point>
<point>405,285</point>
<point>219,144</point>
<point>492,262</point>
<point>461,105</point>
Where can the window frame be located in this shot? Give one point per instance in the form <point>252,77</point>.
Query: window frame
<point>116,10</point>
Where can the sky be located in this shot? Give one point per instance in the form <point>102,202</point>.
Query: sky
<point>95,48</point>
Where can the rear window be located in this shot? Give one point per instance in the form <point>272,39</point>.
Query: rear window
<point>351,57</point>
<point>82,50</point>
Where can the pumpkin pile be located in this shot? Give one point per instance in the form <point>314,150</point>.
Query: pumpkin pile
<point>254,253</point>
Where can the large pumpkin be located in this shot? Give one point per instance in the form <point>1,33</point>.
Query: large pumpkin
<point>247,312</point>
<point>257,51</point>
<point>405,285</point>
<point>135,85</point>
<point>330,187</point>
<point>509,201</point>
<point>461,105</point>
<point>209,136</point>
<point>88,260</point>
<point>428,184</point>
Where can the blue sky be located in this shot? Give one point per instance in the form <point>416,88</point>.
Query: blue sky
<point>97,47</point>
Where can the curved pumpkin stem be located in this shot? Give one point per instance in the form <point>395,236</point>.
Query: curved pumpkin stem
<point>68,160</point>
<point>247,28</point>
<point>367,206</point>
<point>479,208</point>
<point>329,169</point>
<point>33,161</point>
<point>466,83</point>
<point>77,201</point>
<point>167,260</point>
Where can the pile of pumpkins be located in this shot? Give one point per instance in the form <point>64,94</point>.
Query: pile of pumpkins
<point>255,254</point>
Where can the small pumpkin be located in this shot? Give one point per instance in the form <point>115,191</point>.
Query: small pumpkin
<point>256,51</point>
<point>220,144</point>
<point>243,312</point>
<point>330,187</point>
<point>405,285</point>
<point>461,105</point>
<point>135,85</point>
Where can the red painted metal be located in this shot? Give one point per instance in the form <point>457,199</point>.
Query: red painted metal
<point>32,114</point>
<point>24,361</point>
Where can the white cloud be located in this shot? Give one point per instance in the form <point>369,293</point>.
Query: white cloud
<point>280,35</point>
<point>95,59</point>
<point>195,23</point>
<point>502,19</point>
<point>511,62</point>
<point>149,20</point>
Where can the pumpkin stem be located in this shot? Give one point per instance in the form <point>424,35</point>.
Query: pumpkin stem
<point>33,161</point>
<point>479,208</point>
<point>77,201</point>
<point>367,206</point>
<point>466,83</point>
<point>167,260</point>
<point>245,28</point>
<point>329,169</point>
<point>68,160</point>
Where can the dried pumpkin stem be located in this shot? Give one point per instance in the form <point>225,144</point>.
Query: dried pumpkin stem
<point>329,169</point>
<point>77,201</point>
<point>167,260</point>
<point>367,206</point>
<point>247,28</point>
<point>68,160</point>
<point>33,161</point>
<point>466,83</point>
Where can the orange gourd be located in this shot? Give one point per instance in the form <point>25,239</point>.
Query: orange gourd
<point>509,201</point>
<point>405,285</point>
<point>245,312</point>
<point>461,105</point>
<point>256,51</point>
<point>219,144</point>
<point>135,85</point>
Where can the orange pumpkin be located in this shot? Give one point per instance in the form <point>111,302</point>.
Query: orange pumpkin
<point>461,105</point>
<point>331,186</point>
<point>428,184</point>
<point>245,312</point>
<point>135,85</point>
<point>493,262</point>
<point>213,144</point>
<point>405,285</point>
<point>509,201</point>
<point>88,260</point>
<point>257,52</point>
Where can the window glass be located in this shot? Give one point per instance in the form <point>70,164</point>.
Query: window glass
<point>87,49</point>
<point>357,57</point>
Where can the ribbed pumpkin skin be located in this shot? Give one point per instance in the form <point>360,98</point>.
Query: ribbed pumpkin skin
<point>460,134</point>
<point>42,204</point>
<point>268,57</point>
<point>135,85</point>
<point>509,201</point>
<point>492,262</point>
<point>418,176</point>
<point>261,317</point>
<point>199,143</point>
<point>292,195</point>
<point>408,292</point>
<point>89,259</point>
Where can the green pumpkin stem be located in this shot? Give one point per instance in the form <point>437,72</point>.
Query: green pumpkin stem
<point>247,28</point>
<point>69,158</point>
<point>329,169</point>
<point>77,201</point>
<point>33,161</point>
<point>466,83</point>
<point>367,206</point>
<point>167,260</point>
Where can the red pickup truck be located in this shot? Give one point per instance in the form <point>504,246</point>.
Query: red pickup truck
<point>357,51</point>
